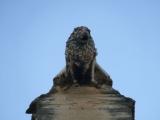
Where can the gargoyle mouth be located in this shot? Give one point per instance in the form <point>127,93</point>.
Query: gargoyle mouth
<point>84,36</point>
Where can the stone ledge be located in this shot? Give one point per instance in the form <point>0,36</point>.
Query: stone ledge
<point>82,103</point>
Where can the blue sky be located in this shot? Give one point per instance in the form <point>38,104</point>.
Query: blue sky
<point>32,42</point>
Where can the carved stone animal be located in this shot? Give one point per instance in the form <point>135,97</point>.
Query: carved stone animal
<point>80,56</point>
<point>81,66</point>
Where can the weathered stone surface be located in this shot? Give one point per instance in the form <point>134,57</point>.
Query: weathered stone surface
<point>83,103</point>
<point>82,90</point>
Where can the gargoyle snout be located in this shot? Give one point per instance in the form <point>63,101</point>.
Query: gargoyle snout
<point>84,34</point>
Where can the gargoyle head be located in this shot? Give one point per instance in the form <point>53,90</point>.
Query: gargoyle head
<point>81,34</point>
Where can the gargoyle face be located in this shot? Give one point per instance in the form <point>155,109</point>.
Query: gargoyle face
<point>82,33</point>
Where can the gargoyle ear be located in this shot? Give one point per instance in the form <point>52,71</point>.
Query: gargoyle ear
<point>75,29</point>
<point>89,30</point>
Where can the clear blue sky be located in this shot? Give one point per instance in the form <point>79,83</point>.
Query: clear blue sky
<point>32,42</point>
